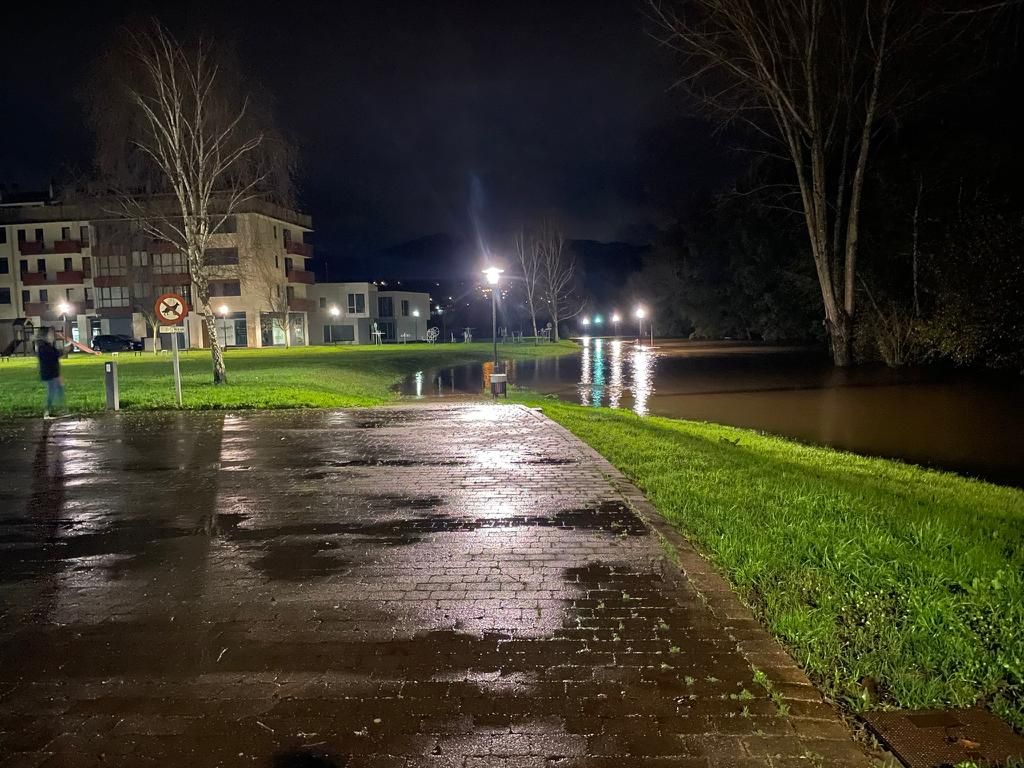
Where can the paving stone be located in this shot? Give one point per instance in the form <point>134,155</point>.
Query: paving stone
<point>429,586</point>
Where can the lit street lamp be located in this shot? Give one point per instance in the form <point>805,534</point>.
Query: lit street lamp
<point>640,313</point>
<point>334,311</point>
<point>416,315</point>
<point>585,322</point>
<point>615,321</point>
<point>223,311</point>
<point>64,308</point>
<point>493,276</point>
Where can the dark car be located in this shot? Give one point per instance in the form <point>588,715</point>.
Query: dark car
<point>115,343</point>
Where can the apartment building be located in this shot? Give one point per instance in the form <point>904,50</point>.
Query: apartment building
<point>347,313</point>
<point>76,267</point>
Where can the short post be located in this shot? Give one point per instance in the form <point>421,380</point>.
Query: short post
<point>113,395</point>
<point>177,368</point>
<point>499,384</point>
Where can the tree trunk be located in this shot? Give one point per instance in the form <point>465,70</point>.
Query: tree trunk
<point>156,335</point>
<point>287,336</point>
<point>220,375</point>
<point>533,319</point>
<point>554,324</point>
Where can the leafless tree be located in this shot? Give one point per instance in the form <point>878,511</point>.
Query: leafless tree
<point>143,291</point>
<point>529,261</point>
<point>558,275</point>
<point>817,79</point>
<point>191,134</point>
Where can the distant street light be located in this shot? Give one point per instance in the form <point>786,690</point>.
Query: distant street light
<point>493,276</point>
<point>223,311</point>
<point>334,311</point>
<point>640,312</point>
<point>64,308</point>
<point>615,321</point>
<point>416,315</point>
<point>585,322</point>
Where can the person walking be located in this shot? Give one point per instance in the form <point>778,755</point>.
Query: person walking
<point>49,372</point>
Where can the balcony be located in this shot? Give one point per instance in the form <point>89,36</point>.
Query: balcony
<point>299,249</point>
<point>31,247</point>
<point>67,246</point>
<point>34,278</point>
<point>70,277</point>
<point>109,281</point>
<point>301,276</point>
<point>36,308</point>
<point>298,304</point>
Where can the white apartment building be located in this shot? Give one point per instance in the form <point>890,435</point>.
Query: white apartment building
<point>347,313</point>
<point>75,267</point>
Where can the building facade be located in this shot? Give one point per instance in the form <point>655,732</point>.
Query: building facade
<point>346,313</point>
<point>86,272</point>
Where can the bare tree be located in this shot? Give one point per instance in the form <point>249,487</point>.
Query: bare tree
<point>558,275</point>
<point>816,78</point>
<point>528,257</point>
<point>193,136</point>
<point>143,291</point>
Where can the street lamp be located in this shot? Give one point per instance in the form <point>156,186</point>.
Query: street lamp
<point>223,311</point>
<point>640,313</point>
<point>615,321</point>
<point>64,308</point>
<point>334,311</point>
<point>416,315</point>
<point>493,276</point>
<point>585,322</point>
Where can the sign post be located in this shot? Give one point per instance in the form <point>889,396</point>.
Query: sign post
<point>171,309</point>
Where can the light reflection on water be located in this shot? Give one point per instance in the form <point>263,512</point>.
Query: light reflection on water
<point>607,373</point>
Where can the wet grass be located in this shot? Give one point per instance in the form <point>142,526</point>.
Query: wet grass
<point>891,584</point>
<point>301,377</point>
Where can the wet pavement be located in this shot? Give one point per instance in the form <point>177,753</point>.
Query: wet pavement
<point>416,586</point>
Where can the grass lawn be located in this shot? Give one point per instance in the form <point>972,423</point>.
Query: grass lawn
<point>318,377</point>
<point>867,569</point>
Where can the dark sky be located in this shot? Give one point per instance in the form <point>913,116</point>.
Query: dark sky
<point>412,118</point>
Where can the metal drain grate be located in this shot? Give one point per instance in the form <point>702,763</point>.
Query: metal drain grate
<point>938,738</point>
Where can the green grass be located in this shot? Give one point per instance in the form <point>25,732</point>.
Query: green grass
<point>867,569</point>
<point>312,377</point>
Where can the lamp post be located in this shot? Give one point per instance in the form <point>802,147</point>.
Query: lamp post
<point>615,322</point>
<point>585,322</point>
<point>416,320</point>
<point>223,311</point>
<point>493,276</point>
<point>334,312</point>
<point>64,308</point>
<point>640,313</point>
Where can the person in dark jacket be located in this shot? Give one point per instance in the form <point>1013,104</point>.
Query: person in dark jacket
<point>49,371</point>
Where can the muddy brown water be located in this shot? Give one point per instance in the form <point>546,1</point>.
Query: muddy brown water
<point>967,421</point>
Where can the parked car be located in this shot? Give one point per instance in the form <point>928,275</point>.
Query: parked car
<point>115,343</point>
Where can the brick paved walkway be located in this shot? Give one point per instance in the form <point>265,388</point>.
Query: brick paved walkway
<point>456,586</point>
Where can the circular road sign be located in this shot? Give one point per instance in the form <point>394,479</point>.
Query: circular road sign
<point>171,308</point>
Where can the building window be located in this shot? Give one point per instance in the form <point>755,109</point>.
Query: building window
<point>115,264</point>
<point>40,265</point>
<point>88,294</point>
<point>334,333</point>
<point>226,288</point>
<point>69,294</point>
<point>5,266</point>
<point>5,295</point>
<point>44,294</point>
<point>385,306</point>
<point>21,235</point>
<point>405,307</point>
<point>39,234</point>
<point>68,265</point>
<point>277,261</point>
<point>287,235</point>
<point>26,297</point>
<point>220,257</point>
<point>23,266</point>
<point>275,231</point>
<point>114,296</point>
<point>356,303</point>
<point>65,233</point>
<point>83,235</point>
<point>3,235</point>
<point>323,302</point>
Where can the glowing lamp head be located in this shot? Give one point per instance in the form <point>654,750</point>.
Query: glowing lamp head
<point>585,321</point>
<point>223,309</point>
<point>493,275</point>
<point>641,312</point>
<point>616,318</point>
<point>598,320</point>
<point>334,311</point>
<point>415,313</point>
<point>63,307</point>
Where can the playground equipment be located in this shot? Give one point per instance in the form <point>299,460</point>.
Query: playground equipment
<point>22,343</point>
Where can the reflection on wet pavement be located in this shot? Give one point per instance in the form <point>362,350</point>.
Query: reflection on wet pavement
<point>399,587</point>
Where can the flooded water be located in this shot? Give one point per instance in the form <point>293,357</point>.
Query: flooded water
<point>967,421</point>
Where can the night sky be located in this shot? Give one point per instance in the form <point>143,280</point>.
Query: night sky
<point>413,119</point>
